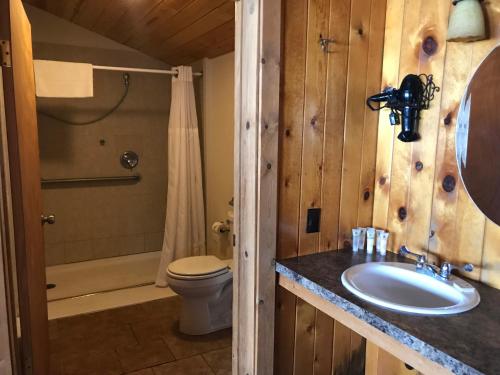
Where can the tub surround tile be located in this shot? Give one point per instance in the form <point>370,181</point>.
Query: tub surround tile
<point>153,241</point>
<point>131,244</point>
<point>466,343</point>
<point>54,253</point>
<point>105,247</point>
<point>78,251</point>
<point>87,212</point>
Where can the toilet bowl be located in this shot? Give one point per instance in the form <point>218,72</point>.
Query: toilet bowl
<point>205,284</point>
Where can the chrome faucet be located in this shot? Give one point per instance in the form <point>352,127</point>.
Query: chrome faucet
<point>426,268</point>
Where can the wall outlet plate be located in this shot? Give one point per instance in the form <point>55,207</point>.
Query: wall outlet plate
<point>313,220</point>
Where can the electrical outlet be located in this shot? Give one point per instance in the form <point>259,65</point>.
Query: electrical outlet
<point>313,220</point>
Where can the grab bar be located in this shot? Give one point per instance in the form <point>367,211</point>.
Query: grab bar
<point>50,181</point>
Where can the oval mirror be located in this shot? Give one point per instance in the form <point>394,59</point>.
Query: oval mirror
<point>478,137</point>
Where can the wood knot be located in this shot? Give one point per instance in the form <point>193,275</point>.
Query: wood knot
<point>432,233</point>
<point>429,46</point>
<point>247,125</point>
<point>447,119</point>
<point>314,120</point>
<point>263,60</point>
<point>266,126</point>
<point>268,165</point>
<point>287,132</point>
<point>382,180</point>
<point>366,195</point>
<point>287,182</point>
<point>402,213</point>
<point>449,183</point>
<point>419,166</point>
<point>360,31</point>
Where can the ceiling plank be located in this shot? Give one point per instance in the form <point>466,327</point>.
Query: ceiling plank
<point>164,28</point>
<point>175,31</point>
<point>211,21</point>
<point>214,43</point>
<point>135,15</point>
<point>88,12</point>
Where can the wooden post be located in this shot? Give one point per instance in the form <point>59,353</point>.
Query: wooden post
<point>257,69</point>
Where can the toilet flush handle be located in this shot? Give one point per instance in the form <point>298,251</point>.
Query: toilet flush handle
<point>48,219</point>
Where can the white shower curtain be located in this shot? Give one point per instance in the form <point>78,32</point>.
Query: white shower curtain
<point>185,218</point>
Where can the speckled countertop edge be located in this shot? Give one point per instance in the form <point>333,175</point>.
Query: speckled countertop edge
<point>426,350</point>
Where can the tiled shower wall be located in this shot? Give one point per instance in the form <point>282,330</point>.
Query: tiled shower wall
<point>105,220</point>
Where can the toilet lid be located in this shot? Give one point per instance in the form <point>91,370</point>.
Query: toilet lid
<point>197,266</point>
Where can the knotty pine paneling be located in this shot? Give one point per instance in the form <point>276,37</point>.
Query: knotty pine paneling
<point>334,156</point>
<point>447,225</point>
<point>327,159</point>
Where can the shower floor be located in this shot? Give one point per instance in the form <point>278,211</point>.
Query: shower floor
<point>103,284</point>
<point>82,278</point>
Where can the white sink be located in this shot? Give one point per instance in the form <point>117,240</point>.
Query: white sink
<point>397,286</point>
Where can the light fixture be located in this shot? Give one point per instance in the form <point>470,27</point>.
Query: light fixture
<point>466,22</point>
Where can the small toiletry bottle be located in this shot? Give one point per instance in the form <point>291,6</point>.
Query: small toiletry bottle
<point>370,240</point>
<point>383,243</point>
<point>356,232</point>
<point>379,234</point>
<point>362,238</point>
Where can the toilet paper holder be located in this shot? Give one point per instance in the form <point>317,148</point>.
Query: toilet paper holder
<point>221,227</point>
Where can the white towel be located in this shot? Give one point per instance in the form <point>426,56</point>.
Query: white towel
<point>57,79</point>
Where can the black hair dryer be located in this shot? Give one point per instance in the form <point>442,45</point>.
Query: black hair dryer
<point>414,94</point>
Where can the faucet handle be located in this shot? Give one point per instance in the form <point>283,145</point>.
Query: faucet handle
<point>447,267</point>
<point>421,258</point>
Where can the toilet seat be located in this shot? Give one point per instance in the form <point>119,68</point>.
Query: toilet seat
<point>197,268</point>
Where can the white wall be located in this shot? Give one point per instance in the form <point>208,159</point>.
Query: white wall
<point>218,140</point>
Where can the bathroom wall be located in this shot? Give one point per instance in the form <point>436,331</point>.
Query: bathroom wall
<point>327,159</point>
<point>333,155</point>
<point>113,219</point>
<point>412,203</point>
<point>218,148</point>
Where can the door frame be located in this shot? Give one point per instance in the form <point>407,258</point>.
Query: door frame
<point>9,353</point>
<point>22,244</point>
<point>257,90</point>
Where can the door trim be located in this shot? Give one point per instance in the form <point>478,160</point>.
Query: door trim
<point>257,88</point>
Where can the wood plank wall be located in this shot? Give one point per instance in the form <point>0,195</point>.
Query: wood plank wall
<point>411,202</point>
<point>327,160</point>
<point>334,156</point>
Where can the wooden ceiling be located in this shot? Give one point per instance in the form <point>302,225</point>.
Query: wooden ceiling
<point>174,31</point>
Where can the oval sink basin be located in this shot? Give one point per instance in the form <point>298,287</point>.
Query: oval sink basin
<point>397,286</point>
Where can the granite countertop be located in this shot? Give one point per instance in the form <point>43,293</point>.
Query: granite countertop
<point>466,343</point>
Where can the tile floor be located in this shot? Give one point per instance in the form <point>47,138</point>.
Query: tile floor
<point>136,340</point>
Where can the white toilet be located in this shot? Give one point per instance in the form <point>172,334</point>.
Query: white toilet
<point>205,284</point>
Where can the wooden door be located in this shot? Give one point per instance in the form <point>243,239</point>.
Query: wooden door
<point>24,184</point>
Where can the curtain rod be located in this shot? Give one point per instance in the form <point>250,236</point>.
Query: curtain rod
<point>140,70</point>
